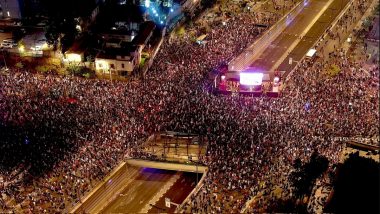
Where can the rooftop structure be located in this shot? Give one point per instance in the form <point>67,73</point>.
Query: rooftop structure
<point>175,147</point>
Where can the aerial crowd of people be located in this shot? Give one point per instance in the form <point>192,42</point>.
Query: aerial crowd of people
<point>63,134</point>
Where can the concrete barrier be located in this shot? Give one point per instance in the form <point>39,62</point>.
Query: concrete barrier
<point>110,186</point>
<point>194,192</point>
<point>167,166</point>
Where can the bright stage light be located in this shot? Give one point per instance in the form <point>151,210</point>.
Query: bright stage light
<point>251,78</point>
<point>147,3</point>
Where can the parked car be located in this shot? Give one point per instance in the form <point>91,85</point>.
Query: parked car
<point>8,43</point>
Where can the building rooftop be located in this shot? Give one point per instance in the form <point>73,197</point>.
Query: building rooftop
<point>112,53</point>
<point>81,45</point>
<point>146,31</point>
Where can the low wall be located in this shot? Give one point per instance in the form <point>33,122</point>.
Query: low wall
<point>104,192</point>
<point>194,192</point>
<point>166,166</point>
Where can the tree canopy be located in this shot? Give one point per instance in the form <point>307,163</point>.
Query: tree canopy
<point>356,188</point>
<point>62,22</point>
<point>304,176</point>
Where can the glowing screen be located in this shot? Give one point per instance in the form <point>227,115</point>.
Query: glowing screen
<point>251,78</point>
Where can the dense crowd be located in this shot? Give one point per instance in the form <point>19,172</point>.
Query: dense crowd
<point>66,133</point>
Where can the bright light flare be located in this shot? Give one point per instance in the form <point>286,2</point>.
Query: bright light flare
<point>251,78</point>
<point>72,57</point>
<point>147,3</point>
<point>21,49</point>
<point>101,65</point>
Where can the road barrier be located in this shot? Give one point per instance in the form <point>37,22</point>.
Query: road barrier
<point>107,190</point>
<point>195,191</point>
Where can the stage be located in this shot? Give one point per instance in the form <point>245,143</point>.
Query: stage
<point>246,84</point>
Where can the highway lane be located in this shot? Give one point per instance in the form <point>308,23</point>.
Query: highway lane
<point>139,192</point>
<point>311,23</point>
<point>291,34</point>
<point>313,34</point>
<point>178,192</point>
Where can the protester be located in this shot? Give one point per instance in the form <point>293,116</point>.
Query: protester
<point>85,127</point>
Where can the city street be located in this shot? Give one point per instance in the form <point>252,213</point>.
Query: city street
<point>145,189</point>
<point>201,125</point>
<point>299,36</point>
<point>314,33</point>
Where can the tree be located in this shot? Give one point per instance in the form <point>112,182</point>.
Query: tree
<point>286,206</point>
<point>317,166</point>
<point>52,33</point>
<point>356,187</point>
<point>208,3</point>
<point>367,23</point>
<point>62,20</point>
<point>304,176</point>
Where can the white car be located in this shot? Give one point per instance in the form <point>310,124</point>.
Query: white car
<point>8,43</point>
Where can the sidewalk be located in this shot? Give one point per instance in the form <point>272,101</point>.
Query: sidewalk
<point>342,34</point>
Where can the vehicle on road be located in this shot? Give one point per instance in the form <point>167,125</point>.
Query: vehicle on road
<point>8,43</point>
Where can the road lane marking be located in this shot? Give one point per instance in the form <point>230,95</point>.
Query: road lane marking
<point>305,31</point>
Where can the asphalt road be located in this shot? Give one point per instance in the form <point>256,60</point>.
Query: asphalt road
<point>313,34</point>
<point>271,55</point>
<point>145,189</point>
<point>177,193</point>
<point>3,36</point>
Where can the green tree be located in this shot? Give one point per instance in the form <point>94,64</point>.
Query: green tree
<point>62,20</point>
<point>304,176</point>
<point>208,3</point>
<point>74,69</point>
<point>52,33</point>
<point>356,187</point>
<point>367,23</point>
